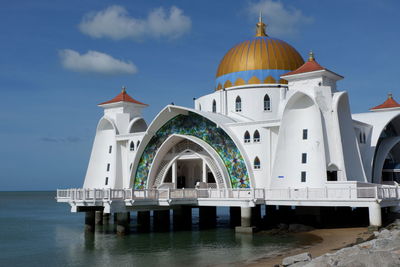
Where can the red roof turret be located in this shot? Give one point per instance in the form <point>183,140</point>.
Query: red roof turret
<point>310,66</point>
<point>123,97</point>
<point>389,103</point>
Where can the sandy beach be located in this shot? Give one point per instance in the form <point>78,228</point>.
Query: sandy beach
<point>317,242</point>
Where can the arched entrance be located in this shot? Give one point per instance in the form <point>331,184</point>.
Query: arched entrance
<point>332,173</point>
<point>391,166</point>
<point>186,165</point>
<point>220,147</point>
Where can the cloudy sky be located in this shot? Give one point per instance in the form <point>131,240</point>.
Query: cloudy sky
<point>59,59</point>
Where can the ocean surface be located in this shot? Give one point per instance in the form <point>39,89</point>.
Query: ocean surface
<point>35,230</point>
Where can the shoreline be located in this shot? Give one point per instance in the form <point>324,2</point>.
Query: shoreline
<point>317,242</point>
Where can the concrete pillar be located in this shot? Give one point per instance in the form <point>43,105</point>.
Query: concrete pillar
<point>106,218</point>
<point>285,214</point>
<point>161,220</point>
<point>234,218</point>
<point>174,172</point>
<point>271,216</point>
<point>143,221</point>
<point>375,214</point>
<point>245,216</point>
<point>99,217</point>
<point>182,218</point>
<point>122,223</point>
<point>90,221</point>
<point>204,172</point>
<point>245,219</point>
<point>207,217</point>
<point>256,216</point>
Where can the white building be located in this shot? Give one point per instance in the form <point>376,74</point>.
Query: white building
<point>273,123</point>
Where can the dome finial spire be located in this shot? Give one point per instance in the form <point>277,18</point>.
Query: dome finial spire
<point>260,30</point>
<point>123,89</point>
<point>390,95</point>
<point>311,56</point>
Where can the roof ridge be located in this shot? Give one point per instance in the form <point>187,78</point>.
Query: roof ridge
<point>123,97</point>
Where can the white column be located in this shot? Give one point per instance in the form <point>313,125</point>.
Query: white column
<point>204,173</point>
<point>245,215</point>
<point>174,172</point>
<point>375,214</point>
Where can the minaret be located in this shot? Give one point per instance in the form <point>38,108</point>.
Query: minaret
<point>122,109</point>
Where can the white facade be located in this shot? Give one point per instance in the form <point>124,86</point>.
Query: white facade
<point>307,138</point>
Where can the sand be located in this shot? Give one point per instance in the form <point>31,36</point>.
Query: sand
<point>317,242</point>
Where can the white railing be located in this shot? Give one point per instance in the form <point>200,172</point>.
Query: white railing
<point>327,193</point>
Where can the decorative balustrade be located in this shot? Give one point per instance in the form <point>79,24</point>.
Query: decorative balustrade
<point>326,193</point>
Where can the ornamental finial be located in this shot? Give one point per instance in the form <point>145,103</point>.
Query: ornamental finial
<point>123,89</point>
<point>311,56</point>
<point>390,95</point>
<point>260,27</point>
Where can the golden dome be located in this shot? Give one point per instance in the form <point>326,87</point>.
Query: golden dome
<point>260,60</point>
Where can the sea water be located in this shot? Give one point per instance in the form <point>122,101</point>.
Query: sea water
<point>35,230</point>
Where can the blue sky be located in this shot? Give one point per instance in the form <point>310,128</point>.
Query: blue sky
<point>59,59</point>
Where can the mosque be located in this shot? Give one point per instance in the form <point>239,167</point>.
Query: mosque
<point>275,131</point>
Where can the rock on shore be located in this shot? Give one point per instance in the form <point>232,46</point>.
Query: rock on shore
<point>382,251</point>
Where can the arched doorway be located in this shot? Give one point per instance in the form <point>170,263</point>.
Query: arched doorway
<point>186,165</point>
<point>391,166</point>
<point>332,173</point>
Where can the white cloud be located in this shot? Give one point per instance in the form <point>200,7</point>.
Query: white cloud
<point>281,20</point>
<point>96,62</point>
<point>114,22</point>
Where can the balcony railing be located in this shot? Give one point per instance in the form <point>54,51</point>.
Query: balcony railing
<point>326,193</point>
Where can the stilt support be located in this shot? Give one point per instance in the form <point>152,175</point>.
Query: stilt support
<point>207,217</point>
<point>375,215</point>
<point>143,221</point>
<point>245,219</point>
<point>234,218</point>
<point>90,221</point>
<point>99,217</point>
<point>182,218</point>
<point>106,218</point>
<point>123,223</point>
<point>161,220</point>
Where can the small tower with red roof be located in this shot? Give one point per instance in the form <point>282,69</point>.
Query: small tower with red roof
<point>389,104</point>
<point>310,75</point>
<point>122,109</point>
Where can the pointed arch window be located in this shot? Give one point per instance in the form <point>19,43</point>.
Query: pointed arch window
<point>137,144</point>
<point>364,139</point>
<point>238,104</point>
<point>199,106</point>
<point>214,106</point>
<point>247,137</point>
<point>256,137</point>
<point>267,103</point>
<point>257,164</point>
<point>132,146</point>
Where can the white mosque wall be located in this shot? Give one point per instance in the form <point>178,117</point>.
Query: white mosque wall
<point>289,170</point>
<point>378,121</point>
<point>352,161</point>
<point>256,148</point>
<point>252,102</point>
<point>101,170</point>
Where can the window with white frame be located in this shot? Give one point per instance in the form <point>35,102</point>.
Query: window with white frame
<point>132,146</point>
<point>257,164</point>
<point>247,137</point>
<point>256,137</point>
<point>214,106</point>
<point>238,104</point>
<point>267,103</point>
